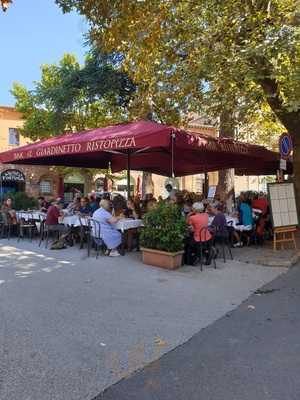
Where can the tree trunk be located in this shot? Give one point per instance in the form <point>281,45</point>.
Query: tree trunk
<point>296,166</point>
<point>147,184</point>
<point>225,188</point>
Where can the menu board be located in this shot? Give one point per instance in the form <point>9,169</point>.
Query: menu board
<point>283,204</point>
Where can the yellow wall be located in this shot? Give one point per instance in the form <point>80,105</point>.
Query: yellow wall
<point>9,118</point>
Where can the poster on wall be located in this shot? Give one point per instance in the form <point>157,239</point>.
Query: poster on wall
<point>283,204</point>
<point>211,192</point>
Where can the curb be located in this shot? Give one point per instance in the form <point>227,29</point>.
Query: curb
<point>280,263</point>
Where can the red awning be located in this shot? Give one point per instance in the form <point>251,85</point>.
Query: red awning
<point>152,147</point>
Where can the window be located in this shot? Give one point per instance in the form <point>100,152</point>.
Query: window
<point>199,183</point>
<point>45,187</point>
<point>13,137</point>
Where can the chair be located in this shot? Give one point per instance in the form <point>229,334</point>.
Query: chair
<point>47,231</point>
<point>94,237</point>
<point>84,231</point>
<point>210,247</point>
<point>200,247</point>
<point>6,225</point>
<point>221,236</point>
<point>1,225</point>
<point>26,226</point>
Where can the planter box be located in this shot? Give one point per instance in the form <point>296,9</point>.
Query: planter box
<point>162,259</point>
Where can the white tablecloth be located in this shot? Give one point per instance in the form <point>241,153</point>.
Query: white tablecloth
<point>36,215</point>
<point>231,221</point>
<point>126,223</point>
<point>122,225</point>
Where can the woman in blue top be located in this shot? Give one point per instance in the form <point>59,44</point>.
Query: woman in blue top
<point>108,231</point>
<point>246,219</point>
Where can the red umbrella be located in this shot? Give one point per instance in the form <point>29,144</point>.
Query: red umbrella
<point>145,146</point>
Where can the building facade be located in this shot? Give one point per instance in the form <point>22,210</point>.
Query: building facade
<point>34,180</point>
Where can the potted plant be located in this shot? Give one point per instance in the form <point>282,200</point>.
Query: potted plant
<point>162,237</point>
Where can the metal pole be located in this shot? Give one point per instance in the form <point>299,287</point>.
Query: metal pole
<point>205,184</point>
<point>1,189</point>
<point>128,174</point>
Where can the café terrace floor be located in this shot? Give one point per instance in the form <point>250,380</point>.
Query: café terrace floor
<point>71,325</point>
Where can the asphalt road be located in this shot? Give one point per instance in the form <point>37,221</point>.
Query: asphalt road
<point>251,353</point>
<point>71,326</point>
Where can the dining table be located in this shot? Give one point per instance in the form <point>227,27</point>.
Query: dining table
<point>122,225</point>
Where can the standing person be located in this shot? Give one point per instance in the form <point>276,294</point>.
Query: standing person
<point>109,233</point>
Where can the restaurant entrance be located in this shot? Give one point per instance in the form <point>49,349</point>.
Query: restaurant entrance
<point>12,181</point>
<point>73,184</point>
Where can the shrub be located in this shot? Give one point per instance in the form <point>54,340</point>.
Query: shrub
<point>21,201</point>
<point>164,228</point>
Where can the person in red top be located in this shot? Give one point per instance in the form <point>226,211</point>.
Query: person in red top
<point>198,221</point>
<point>261,203</point>
<point>53,214</point>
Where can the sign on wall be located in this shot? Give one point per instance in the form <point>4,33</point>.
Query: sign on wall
<point>283,204</point>
<point>12,175</point>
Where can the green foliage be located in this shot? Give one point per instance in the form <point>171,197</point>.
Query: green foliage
<point>207,55</point>
<point>21,201</point>
<point>71,97</point>
<point>164,228</point>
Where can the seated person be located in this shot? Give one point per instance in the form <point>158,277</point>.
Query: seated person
<point>198,221</point>
<point>8,213</point>
<point>109,233</point>
<point>84,208</point>
<point>119,205</point>
<point>94,203</point>
<point>246,220</point>
<point>219,221</point>
<point>42,204</point>
<point>74,206</point>
<point>54,212</point>
<point>132,210</point>
<point>261,203</point>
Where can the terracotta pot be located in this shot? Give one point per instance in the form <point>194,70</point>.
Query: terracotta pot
<point>162,259</point>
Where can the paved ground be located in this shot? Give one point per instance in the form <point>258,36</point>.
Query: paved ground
<point>251,353</point>
<point>72,326</point>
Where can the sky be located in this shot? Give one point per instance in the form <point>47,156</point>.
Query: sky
<point>32,33</point>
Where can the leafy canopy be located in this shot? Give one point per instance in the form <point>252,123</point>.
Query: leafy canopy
<point>74,97</point>
<point>206,54</point>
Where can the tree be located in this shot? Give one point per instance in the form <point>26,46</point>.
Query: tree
<point>74,97</point>
<point>212,52</point>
